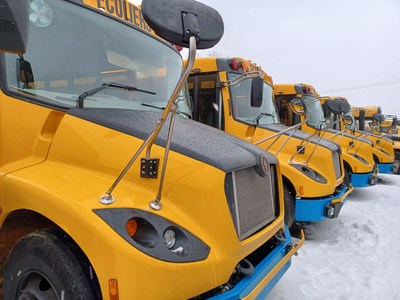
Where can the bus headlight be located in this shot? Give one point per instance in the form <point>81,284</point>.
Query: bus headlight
<point>359,157</point>
<point>154,235</point>
<point>169,238</point>
<point>311,173</point>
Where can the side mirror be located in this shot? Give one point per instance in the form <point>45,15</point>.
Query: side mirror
<point>398,122</point>
<point>348,120</point>
<point>177,20</point>
<point>372,125</point>
<point>379,117</point>
<point>338,106</point>
<point>13,26</point>
<point>394,122</point>
<point>24,73</point>
<point>257,91</point>
<point>297,106</point>
<point>361,120</point>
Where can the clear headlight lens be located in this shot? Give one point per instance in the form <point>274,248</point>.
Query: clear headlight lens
<point>169,238</point>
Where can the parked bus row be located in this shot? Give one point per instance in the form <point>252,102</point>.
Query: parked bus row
<point>130,173</point>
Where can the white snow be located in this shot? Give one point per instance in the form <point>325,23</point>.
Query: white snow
<point>356,256</point>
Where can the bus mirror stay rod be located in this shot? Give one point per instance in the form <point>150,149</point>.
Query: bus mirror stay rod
<point>277,135</point>
<point>341,134</point>
<point>108,198</point>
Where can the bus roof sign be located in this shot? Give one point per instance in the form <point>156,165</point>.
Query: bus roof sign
<point>122,9</point>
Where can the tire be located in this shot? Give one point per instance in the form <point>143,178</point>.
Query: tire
<point>42,266</point>
<point>397,163</point>
<point>288,198</point>
<point>347,177</point>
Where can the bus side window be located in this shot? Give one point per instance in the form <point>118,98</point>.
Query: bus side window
<point>204,93</point>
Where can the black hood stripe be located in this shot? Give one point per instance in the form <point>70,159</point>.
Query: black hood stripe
<point>190,138</point>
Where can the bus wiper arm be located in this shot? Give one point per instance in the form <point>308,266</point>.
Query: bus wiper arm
<point>162,108</point>
<point>257,120</point>
<point>154,106</point>
<point>91,92</point>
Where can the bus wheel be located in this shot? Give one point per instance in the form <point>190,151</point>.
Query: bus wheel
<point>41,266</point>
<point>347,178</point>
<point>288,197</point>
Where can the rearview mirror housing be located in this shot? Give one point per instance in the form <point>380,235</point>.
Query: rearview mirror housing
<point>348,120</point>
<point>379,117</point>
<point>297,106</point>
<point>257,91</point>
<point>338,106</point>
<point>177,20</point>
<point>372,125</point>
<point>13,26</point>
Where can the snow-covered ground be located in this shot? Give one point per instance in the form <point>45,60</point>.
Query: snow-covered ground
<point>356,256</point>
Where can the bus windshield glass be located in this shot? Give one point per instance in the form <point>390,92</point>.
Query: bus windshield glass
<point>241,104</point>
<point>72,50</point>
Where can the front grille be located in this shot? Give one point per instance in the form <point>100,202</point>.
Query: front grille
<point>336,164</point>
<point>251,199</point>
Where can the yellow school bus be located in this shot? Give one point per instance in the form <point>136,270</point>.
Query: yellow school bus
<point>371,119</point>
<point>222,91</point>
<point>364,116</point>
<point>390,125</point>
<point>382,147</point>
<point>396,147</point>
<point>390,129</point>
<point>383,129</point>
<point>108,189</point>
<point>356,152</point>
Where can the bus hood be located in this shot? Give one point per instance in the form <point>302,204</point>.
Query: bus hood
<point>190,138</point>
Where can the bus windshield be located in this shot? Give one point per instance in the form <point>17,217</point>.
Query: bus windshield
<point>241,106</point>
<point>72,50</point>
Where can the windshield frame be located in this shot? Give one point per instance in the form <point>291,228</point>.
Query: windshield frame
<point>36,99</point>
<point>232,105</point>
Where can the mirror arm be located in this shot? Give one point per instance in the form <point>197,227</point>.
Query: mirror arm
<point>108,198</point>
<point>184,76</point>
<point>307,141</point>
<point>155,204</point>
<point>239,79</point>
<point>277,135</point>
<point>341,134</point>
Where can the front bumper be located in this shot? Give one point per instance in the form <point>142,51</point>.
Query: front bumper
<point>359,180</point>
<point>267,273</point>
<point>314,210</point>
<point>386,168</point>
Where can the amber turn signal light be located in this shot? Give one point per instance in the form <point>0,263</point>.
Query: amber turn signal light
<point>131,227</point>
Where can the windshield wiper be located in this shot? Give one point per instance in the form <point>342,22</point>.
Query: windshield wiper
<point>257,120</point>
<point>162,108</point>
<point>91,92</point>
<point>154,106</point>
